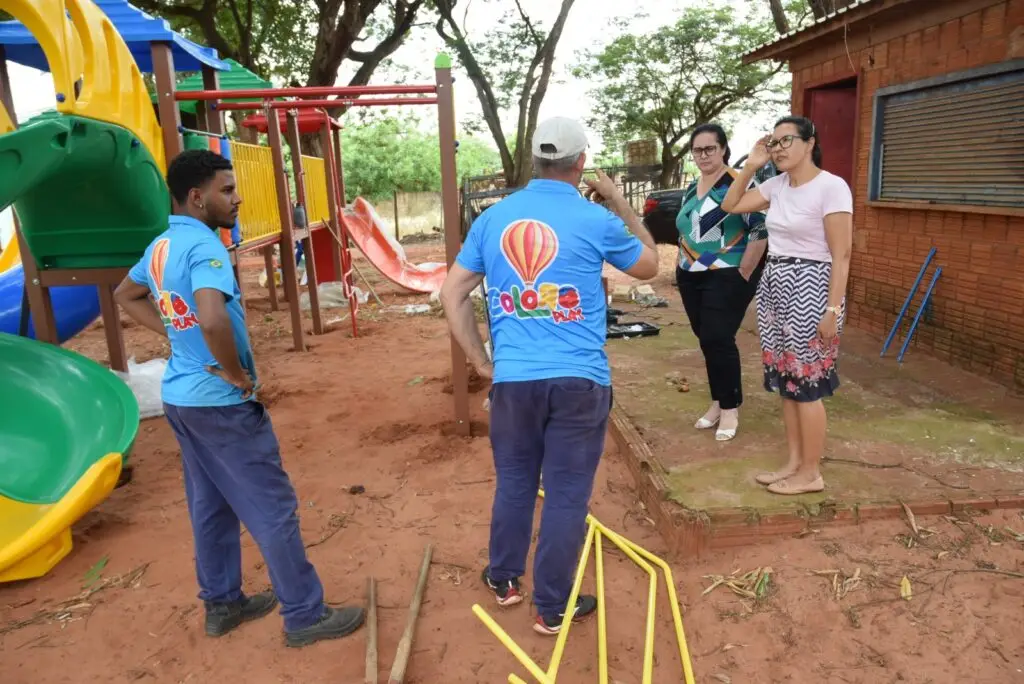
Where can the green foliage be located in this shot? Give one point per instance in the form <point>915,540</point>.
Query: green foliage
<point>387,154</point>
<point>687,73</point>
<point>608,157</point>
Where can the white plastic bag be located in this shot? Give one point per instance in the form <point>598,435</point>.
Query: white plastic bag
<point>332,296</point>
<point>144,380</point>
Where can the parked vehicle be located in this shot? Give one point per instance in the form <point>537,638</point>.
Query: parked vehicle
<point>662,206</point>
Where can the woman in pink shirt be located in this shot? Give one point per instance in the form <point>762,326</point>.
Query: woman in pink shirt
<point>801,299</point>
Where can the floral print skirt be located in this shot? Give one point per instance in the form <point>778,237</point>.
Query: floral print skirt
<point>791,301</point>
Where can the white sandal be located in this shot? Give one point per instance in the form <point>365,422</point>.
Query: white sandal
<point>724,435</point>
<point>705,424</point>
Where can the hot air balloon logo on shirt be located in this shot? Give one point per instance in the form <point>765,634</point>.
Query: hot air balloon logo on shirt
<point>530,247</point>
<point>175,312</point>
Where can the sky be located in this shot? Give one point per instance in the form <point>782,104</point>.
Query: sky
<point>586,28</point>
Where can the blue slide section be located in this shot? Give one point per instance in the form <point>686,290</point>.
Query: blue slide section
<point>74,307</point>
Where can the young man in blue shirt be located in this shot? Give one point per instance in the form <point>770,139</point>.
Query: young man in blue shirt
<point>542,250</point>
<point>184,288</point>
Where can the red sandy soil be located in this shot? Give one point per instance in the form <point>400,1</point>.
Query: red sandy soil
<point>372,412</point>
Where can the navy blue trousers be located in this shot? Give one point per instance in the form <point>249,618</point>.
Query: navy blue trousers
<point>556,428</point>
<point>232,468</point>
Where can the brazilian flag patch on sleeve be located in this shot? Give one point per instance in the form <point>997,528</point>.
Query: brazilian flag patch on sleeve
<point>216,263</point>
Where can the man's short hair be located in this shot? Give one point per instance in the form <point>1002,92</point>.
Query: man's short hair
<point>193,169</point>
<point>562,165</point>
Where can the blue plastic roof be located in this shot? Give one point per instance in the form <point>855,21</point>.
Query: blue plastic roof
<point>137,28</point>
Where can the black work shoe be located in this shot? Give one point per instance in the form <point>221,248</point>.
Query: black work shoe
<point>333,624</point>
<point>506,593</point>
<point>550,626</point>
<point>221,618</point>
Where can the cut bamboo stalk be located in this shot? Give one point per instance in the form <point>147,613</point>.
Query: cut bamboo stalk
<point>405,645</point>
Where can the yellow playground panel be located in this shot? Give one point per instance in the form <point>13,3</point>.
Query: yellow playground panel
<point>85,51</point>
<point>316,189</point>
<point>254,168</point>
<point>644,559</point>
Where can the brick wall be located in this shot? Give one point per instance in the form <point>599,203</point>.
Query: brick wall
<point>977,317</point>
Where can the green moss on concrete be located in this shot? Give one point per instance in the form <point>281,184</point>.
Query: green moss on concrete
<point>939,433</point>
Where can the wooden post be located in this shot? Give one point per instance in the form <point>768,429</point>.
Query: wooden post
<point>268,264</point>
<point>39,302</point>
<point>394,197</point>
<point>214,117</point>
<point>342,204</point>
<point>112,328</point>
<point>284,210</point>
<point>170,117</point>
<point>341,169</point>
<point>452,232</point>
<point>334,212</point>
<point>299,172</point>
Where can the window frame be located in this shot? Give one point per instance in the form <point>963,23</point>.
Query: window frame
<point>881,98</point>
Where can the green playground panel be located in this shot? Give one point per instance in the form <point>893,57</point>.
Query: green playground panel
<point>89,194</point>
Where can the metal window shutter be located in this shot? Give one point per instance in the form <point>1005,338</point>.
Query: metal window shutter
<point>962,145</point>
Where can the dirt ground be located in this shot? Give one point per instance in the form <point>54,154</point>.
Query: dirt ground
<point>372,412</point>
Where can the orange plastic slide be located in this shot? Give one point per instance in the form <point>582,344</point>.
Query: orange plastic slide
<point>373,237</point>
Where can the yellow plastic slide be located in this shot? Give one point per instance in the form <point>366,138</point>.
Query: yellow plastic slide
<point>10,256</point>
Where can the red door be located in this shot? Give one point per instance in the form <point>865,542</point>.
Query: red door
<point>833,111</point>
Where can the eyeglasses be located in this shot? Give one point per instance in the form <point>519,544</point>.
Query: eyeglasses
<point>699,152</point>
<point>785,142</point>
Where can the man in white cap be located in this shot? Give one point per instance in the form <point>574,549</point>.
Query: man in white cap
<point>542,251</point>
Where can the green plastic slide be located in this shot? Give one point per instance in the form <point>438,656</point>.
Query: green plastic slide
<point>68,424</point>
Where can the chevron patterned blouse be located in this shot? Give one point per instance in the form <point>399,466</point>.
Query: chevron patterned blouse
<point>710,238</point>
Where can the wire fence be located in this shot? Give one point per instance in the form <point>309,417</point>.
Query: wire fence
<point>635,182</point>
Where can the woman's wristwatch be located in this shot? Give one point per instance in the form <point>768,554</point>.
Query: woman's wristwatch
<point>834,310</point>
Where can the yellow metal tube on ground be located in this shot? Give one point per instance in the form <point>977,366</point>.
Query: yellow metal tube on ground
<point>652,598</point>
<point>677,619</point>
<point>512,646</point>
<point>602,624</point>
<point>570,609</point>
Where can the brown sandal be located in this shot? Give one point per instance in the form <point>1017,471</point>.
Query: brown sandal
<point>785,487</point>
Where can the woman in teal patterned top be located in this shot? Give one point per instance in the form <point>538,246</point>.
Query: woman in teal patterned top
<point>720,261</point>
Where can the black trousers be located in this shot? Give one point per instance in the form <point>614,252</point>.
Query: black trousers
<point>715,302</point>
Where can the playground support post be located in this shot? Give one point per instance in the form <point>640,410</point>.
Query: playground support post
<point>211,118</point>
<point>333,211</point>
<point>284,208</point>
<point>170,118</point>
<point>299,173</point>
<point>451,220</point>
<point>336,134</point>
<point>340,254</point>
<point>268,265</point>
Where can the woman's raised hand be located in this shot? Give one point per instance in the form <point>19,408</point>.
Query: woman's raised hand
<point>759,154</point>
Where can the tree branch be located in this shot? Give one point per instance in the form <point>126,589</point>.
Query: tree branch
<point>456,40</point>
<point>529,26</point>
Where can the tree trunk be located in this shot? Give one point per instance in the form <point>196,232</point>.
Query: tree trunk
<point>529,105</point>
<point>517,168</point>
<point>779,17</point>
<point>668,166</point>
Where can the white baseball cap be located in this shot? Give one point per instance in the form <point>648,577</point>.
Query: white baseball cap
<point>558,138</point>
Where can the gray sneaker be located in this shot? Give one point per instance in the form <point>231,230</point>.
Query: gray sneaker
<point>221,618</point>
<point>333,624</point>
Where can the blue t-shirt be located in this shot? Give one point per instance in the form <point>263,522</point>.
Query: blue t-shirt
<point>542,250</point>
<point>188,257</point>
